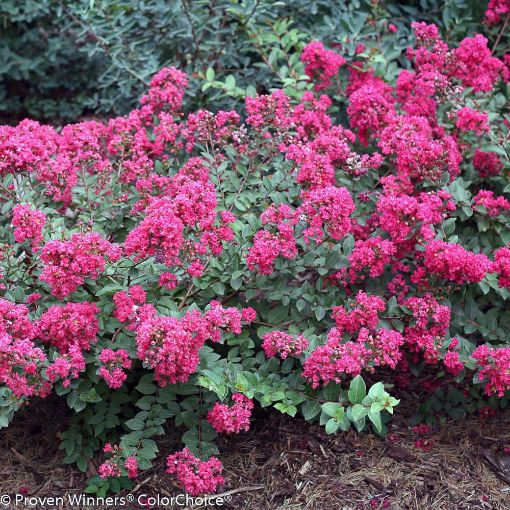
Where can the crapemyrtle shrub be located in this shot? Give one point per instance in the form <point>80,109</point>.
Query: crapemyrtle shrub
<point>183,268</point>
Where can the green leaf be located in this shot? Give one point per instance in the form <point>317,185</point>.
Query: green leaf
<point>375,418</point>
<point>289,409</point>
<point>135,424</point>
<point>377,391</point>
<point>236,283</point>
<point>332,426</point>
<point>146,386</point>
<point>230,82</point>
<point>331,408</point>
<point>278,314</point>
<point>331,392</point>
<point>310,409</point>
<point>81,463</point>
<point>348,245</point>
<point>358,412</point>
<point>320,312</point>
<point>357,390</point>
<point>190,437</point>
<point>219,288</point>
<point>300,305</point>
<point>110,289</point>
<point>376,407</point>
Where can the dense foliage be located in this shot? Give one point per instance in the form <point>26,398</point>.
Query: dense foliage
<point>180,267</point>
<point>62,59</point>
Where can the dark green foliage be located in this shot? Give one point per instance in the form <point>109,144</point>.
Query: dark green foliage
<point>64,59</point>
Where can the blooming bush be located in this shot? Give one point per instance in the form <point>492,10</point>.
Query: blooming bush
<point>169,267</point>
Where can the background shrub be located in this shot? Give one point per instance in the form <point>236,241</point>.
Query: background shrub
<point>62,59</point>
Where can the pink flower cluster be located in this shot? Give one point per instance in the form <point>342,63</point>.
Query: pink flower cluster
<point>113,365</point>
<point>279,343</point>
<point>109,469</point>
<point>112,468</point>
<point>205,126</point>
<point>183,225</point>
<point>231,419</point>
<point>329,207</point>
<point>454,263</point>
<point>72,324</point>
<point>14,320</point>
<point>496,11</point>
<point>472,120</point>
<point>364,313</point>
<point>375,254</point>
<point>487,163</point>
<point>420,151</point>
<point>164,344</point>
<point>268,246</point>
<point>131,466</point>
<point>68,263</point>
<point>310,119</point>
<point>194,475</point>
<point>21,361</point>
<point>430,322</point>
<point>501,266</point>
<point>371,105</point>
<point>473,64</point>
<point>160,234</point>
<point>130,307</point>
<point>495,206</point>
<point>171,346</point>
<point>495,368</point>
<point>66,366</point>
<point>28,225</point>
<point>383,347</point>
<point>452,363</point>
<point>372,347</point>
<point>166,91</point>
<point>25,146</point>
<point>321,64</point>
<point>20,366</point>
<point>268,111</point>
<point>403,216</point>
<point>336,360</point>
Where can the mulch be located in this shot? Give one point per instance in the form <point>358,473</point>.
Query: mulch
<point>288,464</point>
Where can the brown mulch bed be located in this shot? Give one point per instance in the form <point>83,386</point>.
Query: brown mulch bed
<point>301,468</point>
<point>287,464</point>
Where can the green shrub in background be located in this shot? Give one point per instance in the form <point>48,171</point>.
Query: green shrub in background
<point>62,59</point>
<point>42,72</point>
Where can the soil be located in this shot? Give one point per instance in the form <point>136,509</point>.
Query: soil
<point>288,464</point>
